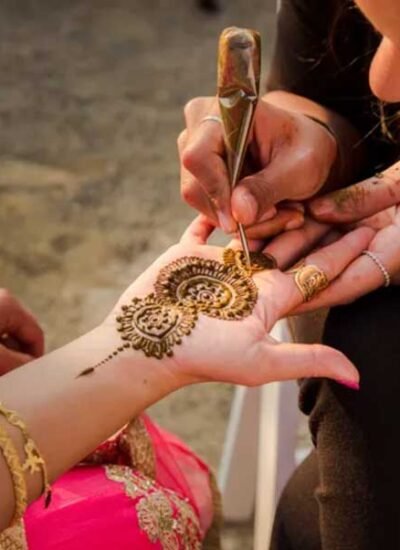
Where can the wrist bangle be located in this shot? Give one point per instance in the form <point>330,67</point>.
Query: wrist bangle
<point>34,461</point>
<point>17,475</point>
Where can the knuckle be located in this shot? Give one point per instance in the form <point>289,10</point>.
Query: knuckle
<point>192,158</point>
<point>311,158</point>
<point>213,189</point>
<point>181,140</point>
<point>355,241</point>
<point>326,261</point>
<point>265,193</point>
<point>5,295</point>
<point>188,192</point>
<point>193,105</point>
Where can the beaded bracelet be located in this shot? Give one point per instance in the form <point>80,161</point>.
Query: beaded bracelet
<point>34,461</point>
<point>17,475</point>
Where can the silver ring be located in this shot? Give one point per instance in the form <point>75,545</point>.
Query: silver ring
<point>377,262</point>
<point>212,118</point>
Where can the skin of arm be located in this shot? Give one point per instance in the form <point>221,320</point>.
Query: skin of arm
<point>349,158</point>
<point>67,416</point>
<point>320,68</point>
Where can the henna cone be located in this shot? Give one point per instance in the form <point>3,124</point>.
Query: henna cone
<point>238,89</point>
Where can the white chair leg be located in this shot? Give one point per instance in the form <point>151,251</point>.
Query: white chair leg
<point>259,450</point>
<point>279,419</point>
<point>238,469</point>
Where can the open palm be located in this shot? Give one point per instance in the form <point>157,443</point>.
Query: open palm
<point>242,351</point>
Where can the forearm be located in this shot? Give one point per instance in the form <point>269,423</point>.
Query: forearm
<point>68,416</point>
<point>350,156</point>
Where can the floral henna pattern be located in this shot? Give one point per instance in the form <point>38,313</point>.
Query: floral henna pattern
<point>260,261</point>
<point>212,288</point>
<point>184,289</point>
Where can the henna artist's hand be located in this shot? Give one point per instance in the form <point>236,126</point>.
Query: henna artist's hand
<point>21,338</point>
<point>363,205</point>
<point>359,201</point>
<point>290,159</point>
<point>237,351</point>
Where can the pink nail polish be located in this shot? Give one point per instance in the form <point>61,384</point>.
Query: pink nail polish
<point>349,384</point>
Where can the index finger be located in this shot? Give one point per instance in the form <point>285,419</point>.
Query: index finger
<point>290,246</point>
<point>198,231</point>
<point>203,157</point>
<point>360,200</point>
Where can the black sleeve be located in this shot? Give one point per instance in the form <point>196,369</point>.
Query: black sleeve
<point>323,52</point>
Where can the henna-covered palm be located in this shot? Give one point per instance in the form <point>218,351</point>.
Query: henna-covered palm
<point>210,321</point>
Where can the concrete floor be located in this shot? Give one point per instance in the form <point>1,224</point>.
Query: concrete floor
<point>91,98</point>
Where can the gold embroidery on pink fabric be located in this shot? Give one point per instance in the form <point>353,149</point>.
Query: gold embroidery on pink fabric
<point>136,485</point>
<point>14,538</point>
<point>138,444</point>
<point>163,515</point>
<point>188,526</point>
<point>155,515</point>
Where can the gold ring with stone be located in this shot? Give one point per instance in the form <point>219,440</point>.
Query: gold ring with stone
<point>310,280</point>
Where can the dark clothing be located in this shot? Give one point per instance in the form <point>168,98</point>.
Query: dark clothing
<point>345,495</point>
<point>323,52</point>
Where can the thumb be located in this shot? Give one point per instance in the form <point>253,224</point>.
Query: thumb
<point>289,361</point>
<point>255,194</point>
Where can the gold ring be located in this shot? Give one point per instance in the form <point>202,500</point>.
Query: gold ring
<point>310,280</point>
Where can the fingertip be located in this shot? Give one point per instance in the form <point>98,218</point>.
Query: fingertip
<point>268,214</point>
<point>227,223</point>
<point>244,206</point>
<point>340,368</point>
<point>322,209</point>
<point>38,346</point>
<point>198,231</point>
<point>349,384</point>
<point>296,221</point>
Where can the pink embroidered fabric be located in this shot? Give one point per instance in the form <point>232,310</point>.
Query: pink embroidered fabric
<point>109,502</point>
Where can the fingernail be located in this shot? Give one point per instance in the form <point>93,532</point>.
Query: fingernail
<point>226,223</point>
<point>321,208</point>
<point>349,384</point>
<point>268,215</point>
<point>294,223</point>
<point>248,207</point>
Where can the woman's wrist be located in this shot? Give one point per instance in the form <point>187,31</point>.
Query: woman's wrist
<point>69,415</point>
<point>350,155</point>
<point>149,379</point>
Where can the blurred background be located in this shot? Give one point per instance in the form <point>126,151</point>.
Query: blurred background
<point>91,99</point>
